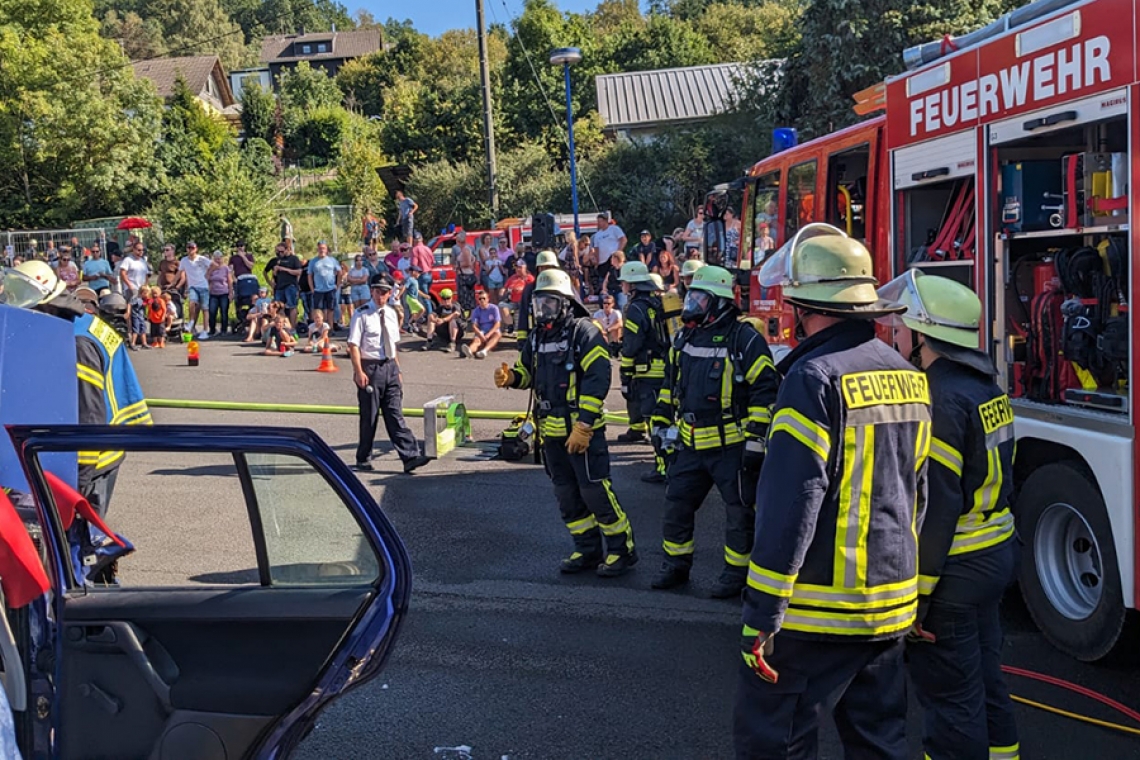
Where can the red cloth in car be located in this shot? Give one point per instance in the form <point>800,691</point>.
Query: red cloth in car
<point>22,574</point>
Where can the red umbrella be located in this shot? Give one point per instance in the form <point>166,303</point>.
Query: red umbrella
<point>134,223</point>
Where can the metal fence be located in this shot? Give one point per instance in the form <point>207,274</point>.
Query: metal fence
<point>27,243</point>
<point>336,225</point>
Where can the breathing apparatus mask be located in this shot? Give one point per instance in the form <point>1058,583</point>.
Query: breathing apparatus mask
<point>702,308</point>
<point>549,309</point>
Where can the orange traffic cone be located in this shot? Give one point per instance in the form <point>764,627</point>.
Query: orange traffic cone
<point>326,364</point>
<point>192,353</point>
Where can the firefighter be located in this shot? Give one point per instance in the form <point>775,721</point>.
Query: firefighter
<point>833,578</point>
<point>109,391</point>
<point>566,362</point>
<point>720,384</point>
<point>688,269</point>
<point>643,348</point>
<point>967,556</point>
<point>546,260</point>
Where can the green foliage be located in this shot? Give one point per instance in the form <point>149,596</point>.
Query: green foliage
<point>77,131</point>
<point>316,134</point>
<point>196,27</point>
<point>258,18</point>
<point>258,114</point>
<point>257,157</point>
<point>191,136</point>
<point>139,38</point>
<point>306,88</point>
<point>357,161</point>
<point>223,203</point>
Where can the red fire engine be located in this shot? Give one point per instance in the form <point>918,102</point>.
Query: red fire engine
<point>1004,160</point>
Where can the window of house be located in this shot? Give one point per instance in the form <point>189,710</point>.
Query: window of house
<point>322,48</point>
<point>307,49</point>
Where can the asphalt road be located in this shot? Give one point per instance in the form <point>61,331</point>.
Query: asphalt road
<point>500,653</point>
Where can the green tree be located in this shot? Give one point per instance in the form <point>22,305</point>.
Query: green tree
<point>258,114</point>
<point>77,131</point>
<point>223,203</point>
<point>316,135</point>
<point>306,88</point>
<point>357,161</point>
<point>257,157</point>
<point>139,38</point>
<point>263,17</point>
<point>191,136</point>
<point>197,27</point>
<point>738,32</point>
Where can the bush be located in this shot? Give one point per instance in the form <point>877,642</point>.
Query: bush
<point>317,134</point>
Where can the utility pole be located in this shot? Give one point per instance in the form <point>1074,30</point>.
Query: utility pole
<point>488,119</point>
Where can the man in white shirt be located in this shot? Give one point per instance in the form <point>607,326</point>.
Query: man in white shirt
<point>192,280</point>
<point>372,337</point>
<point>607,239</point>
<point>133,271</point>
<point>610,320</point>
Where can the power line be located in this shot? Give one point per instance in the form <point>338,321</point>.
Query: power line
<point>542,90</point>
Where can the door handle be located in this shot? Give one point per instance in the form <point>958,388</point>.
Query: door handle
<point>104,635</point>
<point>124,637</point>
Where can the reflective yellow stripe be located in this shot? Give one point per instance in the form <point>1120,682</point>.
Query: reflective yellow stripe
<point>885,597</point>
<point>590,403</point>
<point>854,519</point>
<point>613,529</point>
<point>759,414</point>
<point>99,459</point>
<point>922,445</point>
<point>946,455</point>
<point>985,498</point>
<point>524,375</point>
<point>749,631</point>
<point>631,326</point>
<point>726,386</point>
<point>677,550</point>
<point>554,427</point>
<point>127,412</point>
<point>595,353</point>
<point>1010,752</point>
<point>850,623</point>
<point>992,532</point>
<point>89,375</point>
<point>770,582</point>
<point>926,584</point>
<point>736,559</point>
<point>758,367</point>
<point>665,396</point>
<point>578,527</point>
<point>607,486</point>
<point>814,436</point>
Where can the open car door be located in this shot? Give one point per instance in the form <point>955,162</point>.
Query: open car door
<point>237,660</point>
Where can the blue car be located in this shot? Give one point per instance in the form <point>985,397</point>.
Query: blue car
<point>225,665</point>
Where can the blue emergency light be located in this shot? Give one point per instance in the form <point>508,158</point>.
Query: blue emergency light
<point>784,138</point>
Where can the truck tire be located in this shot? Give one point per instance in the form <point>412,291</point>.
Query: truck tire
<point>1069,575</point>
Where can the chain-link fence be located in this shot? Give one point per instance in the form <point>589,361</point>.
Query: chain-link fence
<point>27,244</point>
<point>336,225</point>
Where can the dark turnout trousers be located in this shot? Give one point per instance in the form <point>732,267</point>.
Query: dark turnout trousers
<point>586,497</point>
<point>692,474</point>
<point>385,399</point>
<point>863,684</point>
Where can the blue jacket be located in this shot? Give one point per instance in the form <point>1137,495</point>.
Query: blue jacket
<point>109,390</point>
<point>842,492</point>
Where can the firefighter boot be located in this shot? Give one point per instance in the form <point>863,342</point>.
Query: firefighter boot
<point>671,576</point>
<point>631,436</point>
<point>728,585</point>
<point>617,564</point>
<point>579,561</point>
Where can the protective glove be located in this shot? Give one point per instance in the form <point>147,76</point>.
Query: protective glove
<point>753,459</point>
<point>754,646</point>
<point>918,635</point>
<point>657,437</point>
<point>504,376</point>
<point>579,438</point>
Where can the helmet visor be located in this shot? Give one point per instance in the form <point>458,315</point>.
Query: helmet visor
<point>547,306</point>
<point>778,269</point>
<point>697,305</point>
<point>904,290</point>
<point>21,291</point>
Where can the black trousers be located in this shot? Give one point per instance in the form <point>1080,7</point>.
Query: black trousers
<point>387,399</point>
<point>967,712</point>
<point>586,497</point>
<point>99,488</point>
<point>692,474</point>
<point>862,683</point>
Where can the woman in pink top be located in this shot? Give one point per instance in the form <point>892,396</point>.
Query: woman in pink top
<point>220,280</point>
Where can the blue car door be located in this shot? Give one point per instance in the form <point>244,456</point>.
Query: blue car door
<point>207,652</point>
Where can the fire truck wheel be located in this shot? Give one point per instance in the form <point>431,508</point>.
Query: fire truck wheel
<point>1069,576</point>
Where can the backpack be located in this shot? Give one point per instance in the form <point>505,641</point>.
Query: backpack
<point>514,442</point>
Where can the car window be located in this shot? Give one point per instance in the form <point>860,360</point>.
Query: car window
<point>310,537</point>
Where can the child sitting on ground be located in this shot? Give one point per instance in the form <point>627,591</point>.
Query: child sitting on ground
<point>279,339</point>
<point>156,315</point>
<point>258,316</point>
<point>319,334</point>
<point>136,319</point>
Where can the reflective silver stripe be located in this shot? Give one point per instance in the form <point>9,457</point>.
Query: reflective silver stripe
<point>984,533</point>
<point>946,454</point>
<point>999,436</point>
<point>857,623</point>
<point>755,444</point>
<point>1012,752</point>
<point>550,348</point>
<point>769,582</point>
<point>851,546</point>
<point>888,413</point>
<point>895,595</point>
<point>985,498</point>
<point>926,584</point>
<point>705,352</point>
<point>614,529</point>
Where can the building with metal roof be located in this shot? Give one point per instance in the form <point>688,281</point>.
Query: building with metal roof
<point>641,103</point>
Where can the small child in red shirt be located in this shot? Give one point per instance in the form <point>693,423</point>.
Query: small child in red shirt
<point>156,316</point>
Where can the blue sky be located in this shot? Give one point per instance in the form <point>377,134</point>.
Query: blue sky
<point>436,16</point>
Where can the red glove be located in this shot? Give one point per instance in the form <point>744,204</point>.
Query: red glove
<point>754,646</point>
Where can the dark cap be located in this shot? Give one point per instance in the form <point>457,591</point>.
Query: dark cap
<point>382,281</point>
<point>418,235</point>
<point>191,244</point>
<point>239,244</point>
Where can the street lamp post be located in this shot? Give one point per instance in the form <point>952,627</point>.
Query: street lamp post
<point>567,57</point>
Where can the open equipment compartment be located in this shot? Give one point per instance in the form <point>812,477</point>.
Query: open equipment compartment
<point>935,207</point>
<point>1060,217</point>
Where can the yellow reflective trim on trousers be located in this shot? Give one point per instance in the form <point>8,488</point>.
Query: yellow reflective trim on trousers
<point>578,527</point>
<point>734,558</point>
<point>595,353</point>
<point>814,436</point>
<point>926,584</point>
<point>758,367</point>
<point>854,519</point>
<point>850,623</point>
<point>677,550</point>
<point>885,597</point>
<point>607,486</point>
<point>946,455</point>
<point>1010,752</point>
<point>613,529</point>
<point>631,326</point>
<point>89,375</point>
<point>769,582</point>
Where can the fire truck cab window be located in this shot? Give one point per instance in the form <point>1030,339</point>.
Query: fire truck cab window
<point>800,209</point>
<point>765,216</point>
<point>1062,215</point>
<point>847,200</point>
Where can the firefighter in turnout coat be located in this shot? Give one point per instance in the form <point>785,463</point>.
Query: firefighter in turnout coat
<point>643,349</point>
<point>720,384</point>
<point>833,578</point>
<point>566,361</point>
<point>967,554</point>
